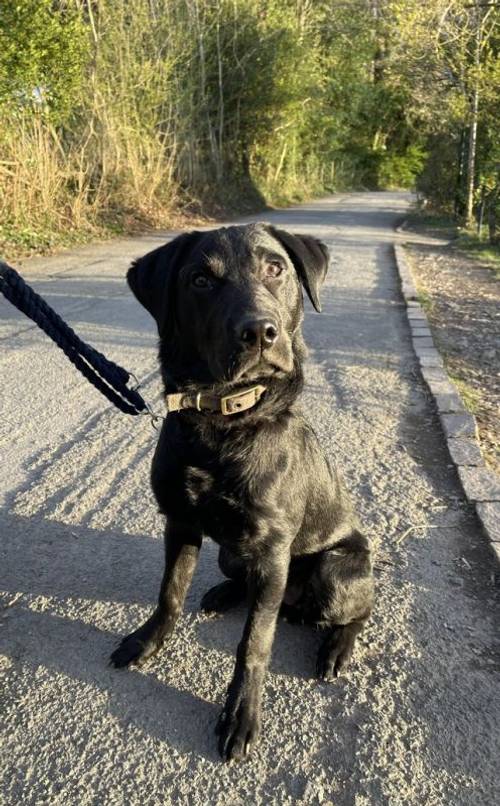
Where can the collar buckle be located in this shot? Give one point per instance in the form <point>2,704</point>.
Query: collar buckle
<point>241,401</point>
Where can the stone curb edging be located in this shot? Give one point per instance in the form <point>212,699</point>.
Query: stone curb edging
<point>480,485</point>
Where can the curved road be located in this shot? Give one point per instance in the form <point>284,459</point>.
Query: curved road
<point>416,720</point>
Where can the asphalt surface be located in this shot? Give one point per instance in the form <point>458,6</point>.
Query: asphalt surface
<point>417,718</point>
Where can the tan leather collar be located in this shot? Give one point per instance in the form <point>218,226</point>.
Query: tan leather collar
<point>238,401</point>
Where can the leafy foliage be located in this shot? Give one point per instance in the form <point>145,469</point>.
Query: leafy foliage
<point>117,112</point>
<point>42,55</point>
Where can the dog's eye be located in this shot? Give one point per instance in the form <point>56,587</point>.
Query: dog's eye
<point>274,268</point>
<point>200,280</point>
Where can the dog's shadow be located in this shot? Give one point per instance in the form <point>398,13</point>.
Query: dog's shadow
<point>71,593</point>
<point>294,649</point>
<point>79,654</point>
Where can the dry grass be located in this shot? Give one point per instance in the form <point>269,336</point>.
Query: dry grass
<point>108,178</point>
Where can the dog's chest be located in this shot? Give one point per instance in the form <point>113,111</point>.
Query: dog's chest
<point>239,493</point>
<point>223,503</point>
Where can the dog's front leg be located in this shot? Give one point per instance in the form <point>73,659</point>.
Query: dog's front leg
<point>239,723</point>
<point>182,546</point>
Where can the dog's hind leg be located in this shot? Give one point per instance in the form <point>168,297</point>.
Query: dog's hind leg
<point>342,585</point>
<point>232,591</point>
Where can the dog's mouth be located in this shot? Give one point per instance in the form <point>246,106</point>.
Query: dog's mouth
<point>259,368</point>
<point>259,372</point>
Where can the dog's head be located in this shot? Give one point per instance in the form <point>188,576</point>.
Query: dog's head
<point>228,304</point>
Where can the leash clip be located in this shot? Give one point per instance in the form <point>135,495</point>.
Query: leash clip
<point>154,417</point>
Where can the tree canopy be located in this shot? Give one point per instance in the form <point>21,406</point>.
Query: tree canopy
<point>115,110</point>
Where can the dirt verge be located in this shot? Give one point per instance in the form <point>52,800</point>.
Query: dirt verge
<point>461,296</point>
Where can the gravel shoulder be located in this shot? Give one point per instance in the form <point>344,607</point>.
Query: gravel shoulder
<point>417,718</point>
<point>462,301</point>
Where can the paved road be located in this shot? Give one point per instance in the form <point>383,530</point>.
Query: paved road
<point>417,720</point>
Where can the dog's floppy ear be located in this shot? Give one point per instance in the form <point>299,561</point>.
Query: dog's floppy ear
<point>310,258</point>
<point>151,277</point>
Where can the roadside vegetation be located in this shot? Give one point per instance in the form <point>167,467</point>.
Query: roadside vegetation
<point>463,315</point>
<point>477,247</point>
<point>456,275</point>
<point>471,242</point>
<point>120,115</point>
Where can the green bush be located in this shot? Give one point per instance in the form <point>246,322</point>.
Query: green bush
<point>400,171</point>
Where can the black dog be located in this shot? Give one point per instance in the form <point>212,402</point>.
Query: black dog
<point>239,463</point>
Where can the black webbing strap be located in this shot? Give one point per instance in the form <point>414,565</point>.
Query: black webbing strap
<point>110,379</point>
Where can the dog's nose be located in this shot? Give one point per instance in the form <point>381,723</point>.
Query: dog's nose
<point>258,333</point>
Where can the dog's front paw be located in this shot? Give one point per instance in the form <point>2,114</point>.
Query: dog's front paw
<point>335,652</point>
<point>238,728</point>
<point>136,648</point>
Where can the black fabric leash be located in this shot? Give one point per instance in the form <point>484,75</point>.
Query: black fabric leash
<point>110,379</point>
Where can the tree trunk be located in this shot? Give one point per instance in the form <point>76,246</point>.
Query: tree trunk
<point>458,201</point>
<point>471,161</point>
<point>377,66</point>
<point>492,216</point>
